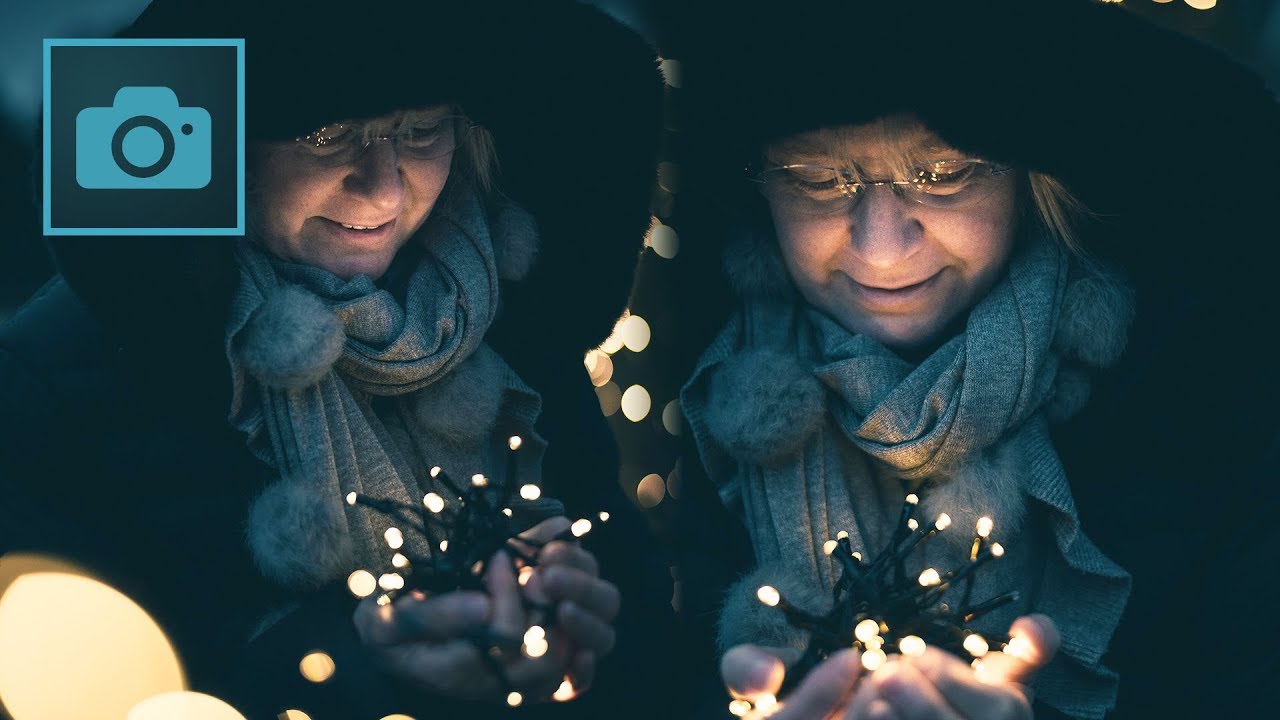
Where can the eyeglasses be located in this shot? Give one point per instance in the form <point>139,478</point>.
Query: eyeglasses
<point>824,190</point>
<point>343,143</point>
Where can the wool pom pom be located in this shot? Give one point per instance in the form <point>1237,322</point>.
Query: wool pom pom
<point>515,241</point>
<point>298,537</point>
<point>1070,393</point>
<point>292,339</point>
<point>755,267</point>
<point>744,619</point>
<point>988,483</point>
<point>762,405</point>
<point>462,407</point>
<point>1093,326</point>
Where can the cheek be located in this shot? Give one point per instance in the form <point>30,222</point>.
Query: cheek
<point>287,195</point>
<point>809,248</point>
<point>425,180</point>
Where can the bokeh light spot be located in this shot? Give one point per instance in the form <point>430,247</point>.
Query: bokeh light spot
<point>664,241</point>
<point>636,403</point>
<point>317,667</point>
<point>183,706</point>
<point>73,648</point>
<point>635,333</point>
<point>672,72</point>
<point>599,367</point>
<point>671,419</point>
<point>610,396</point>
<point>292,714</point>
<point>651,490</point>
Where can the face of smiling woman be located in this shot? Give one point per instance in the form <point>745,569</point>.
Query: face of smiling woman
<point>349,218</point>
<point>885,265</point>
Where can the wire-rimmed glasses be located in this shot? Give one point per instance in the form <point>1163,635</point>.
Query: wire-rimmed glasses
<point>806,189</point>
<point>425,139</point>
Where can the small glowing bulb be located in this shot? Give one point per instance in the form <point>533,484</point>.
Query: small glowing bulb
<point>479,480</point>
<point>866,630</point>
<point>580,527</point>
<point>564,692</point>
<point>912,524</point>
<point>514,442</point>
<point>976,645</point>
<point>997,549</point>
<point>399,560</point>
<point>930,577</point>
<point>444,546</point>
<point>526,573</point>
<point>362,583</point>
<point>943,522</point>
<point>317,667</point>
<point>1018,647</point>
<point>535,648</point>
<point>433,502</point>
<point>604,516</point>
<point>506,511</point>
<point>984,526</point>
<point>911,645</point>
<point>829,546</point>
<point>739,708</point>
<point>767,704</point>
<point>394,538</point>
<point>530,492</point>
<point>514,699</point>
<point>351,498</point>
<point>384,600</point>
<point>913,499</point>
<point>857,556</point>
<point>873,659</point>
<point>769,595</point>
<point>842,534</point>
<point>391,581</point>
<point>875,643</point>
<point>435,471</point>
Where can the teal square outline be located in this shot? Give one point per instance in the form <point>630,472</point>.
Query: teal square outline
<point>238,43</point>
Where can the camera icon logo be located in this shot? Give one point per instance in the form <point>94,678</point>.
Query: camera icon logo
<point>145,140</point>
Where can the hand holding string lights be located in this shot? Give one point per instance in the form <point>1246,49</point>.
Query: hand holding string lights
<point>479,545</point>
<point>879,608</point>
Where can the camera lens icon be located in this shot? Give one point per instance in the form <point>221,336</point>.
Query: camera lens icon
<point>145,140</point>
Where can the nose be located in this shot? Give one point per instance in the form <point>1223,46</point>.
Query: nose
<point>884,228</point>
<point>375,176</point>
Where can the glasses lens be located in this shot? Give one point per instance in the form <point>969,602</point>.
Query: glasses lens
<point>427,138</point>
<point>806,189</point>
<point>433,138</point>
<point>953,183</point>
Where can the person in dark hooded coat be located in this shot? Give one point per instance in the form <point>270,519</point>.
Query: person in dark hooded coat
<point>430,253</point>
<point>1006,256</point>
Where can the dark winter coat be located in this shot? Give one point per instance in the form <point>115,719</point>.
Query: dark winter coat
<point>1175,460</point>
<point>115,450</point>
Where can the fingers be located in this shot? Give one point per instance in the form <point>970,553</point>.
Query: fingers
<point>507,618</point>
<point>582,671</point>
<point>750,671</point>
<point>825,690</point>
<point>452,668</point>
<point>562,583</point>
<point>440,618</point>
<point>570,554</point>
<point>586,629</point>
<point>542,532</point>
<point>1034,641</point>
<point>912,696</point>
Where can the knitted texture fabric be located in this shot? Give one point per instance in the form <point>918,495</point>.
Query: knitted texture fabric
<point>966,427</point>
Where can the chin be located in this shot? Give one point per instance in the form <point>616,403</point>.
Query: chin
<point>348,268</point>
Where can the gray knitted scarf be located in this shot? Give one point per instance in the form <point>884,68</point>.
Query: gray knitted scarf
<point>809,430</point>
<point>342,386</point>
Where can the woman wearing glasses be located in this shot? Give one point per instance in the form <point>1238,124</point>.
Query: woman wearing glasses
<point>185,417</point>
<point>961,269</point>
